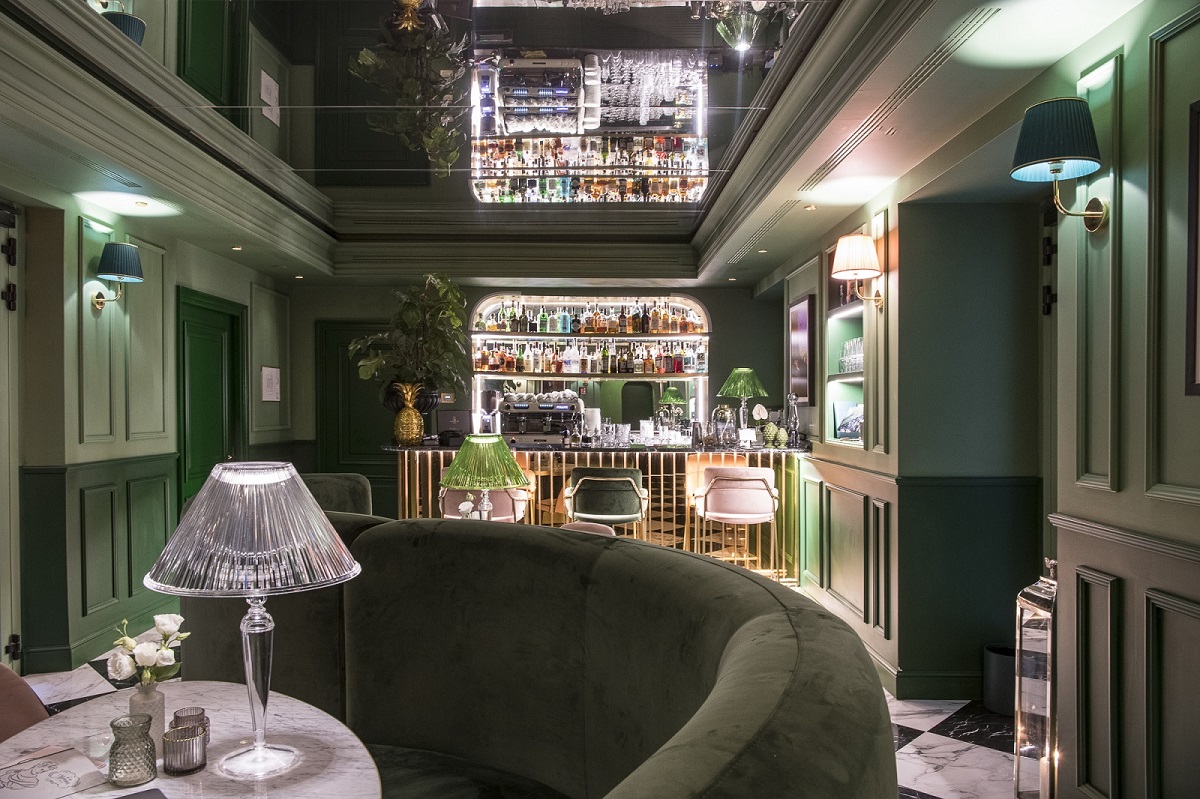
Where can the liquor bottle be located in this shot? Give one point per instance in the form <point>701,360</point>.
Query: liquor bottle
<point>493,361</point>
<point>645,320</point>
<point>479,359</point>
<point>520,363</point>
<point>678,357</point>
<point>701,357</point>
<point>668,360</point>
<point>648,364</point>
<point>585,361</point>
<point>543,321</point>
<point>622,321</point>
<point>512,319</point>
<point>639,361</point>
<point>598,324</point>
<point>555,322</point>
<point>564,321</point>
<point>673,322</point>
<point>604,359</point>
<point>689,359</point>
<point>635,320</point>
<point>510,361</point>
<point>576,323</point>
<point>479,323</point>
<point>589,321</point>
<point>523,321</point>
<point>655,320</point>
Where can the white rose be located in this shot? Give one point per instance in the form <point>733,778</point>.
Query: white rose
<point>146,654</point>
<point>166,657</point>
<point>167,624</point>
<point>120,666</point>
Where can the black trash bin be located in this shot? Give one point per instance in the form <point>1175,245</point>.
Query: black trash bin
<point>999,678</point>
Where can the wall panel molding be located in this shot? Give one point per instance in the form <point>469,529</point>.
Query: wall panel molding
<point>1097,668</point>
<point>1128,538</point>
<point>270,314</point>
<point>1158,214</point>
<point>146,348</point>
<point>881,567</point>
<point>98,558</point>
<point>848,523</point>
<point>877,387</point>
<point>1098,288</point>
<point>95,367</point>
<point>816,531</point>
<point>1164,763</point>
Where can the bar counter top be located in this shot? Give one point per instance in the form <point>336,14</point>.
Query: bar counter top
<point>433,447</point>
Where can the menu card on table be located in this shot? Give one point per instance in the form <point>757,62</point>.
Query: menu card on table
<point>48,773</point>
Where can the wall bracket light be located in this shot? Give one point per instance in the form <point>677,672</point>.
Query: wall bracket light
<point>855,259</point>
<point>1058,142</point>
<point>119,263</point>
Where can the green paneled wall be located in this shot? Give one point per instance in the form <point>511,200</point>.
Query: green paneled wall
<point>89,533</point>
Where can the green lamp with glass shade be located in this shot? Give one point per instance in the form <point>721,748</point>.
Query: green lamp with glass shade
<point>484,463</point>
<point>743,384</point>
<point>671,400</point>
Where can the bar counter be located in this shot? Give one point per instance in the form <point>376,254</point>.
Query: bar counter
<point>670,475</point>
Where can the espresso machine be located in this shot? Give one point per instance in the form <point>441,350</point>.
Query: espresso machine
<point>540,418</point>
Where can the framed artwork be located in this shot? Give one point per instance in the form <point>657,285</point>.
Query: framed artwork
<point>800,349</point>
<point>1192,370</point>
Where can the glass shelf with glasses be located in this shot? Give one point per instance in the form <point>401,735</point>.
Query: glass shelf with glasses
<point>577,376</point>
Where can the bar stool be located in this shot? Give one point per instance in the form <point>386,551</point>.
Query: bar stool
<point>740,496</point>
<point>508,504</point>
<point>606,495</point>
<point>694,466</point>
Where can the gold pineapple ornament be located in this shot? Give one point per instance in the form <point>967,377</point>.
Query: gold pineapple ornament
<point>409,428</point>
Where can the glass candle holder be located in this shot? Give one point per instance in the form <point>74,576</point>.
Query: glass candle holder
<point>131,758</point>
<point>192,717</point>
<point>184,750</point>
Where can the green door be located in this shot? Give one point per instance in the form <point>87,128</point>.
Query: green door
<point>211,416</point>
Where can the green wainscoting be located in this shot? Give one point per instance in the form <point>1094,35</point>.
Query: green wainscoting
<point>89,532</point>
<point>925,570</point>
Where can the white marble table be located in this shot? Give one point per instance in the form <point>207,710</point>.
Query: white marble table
<point>335,763</point>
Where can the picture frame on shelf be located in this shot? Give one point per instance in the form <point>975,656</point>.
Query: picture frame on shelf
<point>800,349</point>
<point>1192,344</point>
<point>847,419</point>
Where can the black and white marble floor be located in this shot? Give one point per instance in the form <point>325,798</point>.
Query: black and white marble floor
<point>944,749</point>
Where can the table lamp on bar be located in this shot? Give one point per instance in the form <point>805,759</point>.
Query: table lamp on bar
<point>252,531</point>
<point>673,399</point>
<point>484,463</point>
<point>742,383</point>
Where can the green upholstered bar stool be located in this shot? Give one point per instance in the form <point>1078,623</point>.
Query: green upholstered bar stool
<point>607,496</point>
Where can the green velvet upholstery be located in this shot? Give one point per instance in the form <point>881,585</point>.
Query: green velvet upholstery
<point>417,774</point>
<point>607,496</point>
<point>597,666</point>
<point>344,492</point>
<point>308,635</point>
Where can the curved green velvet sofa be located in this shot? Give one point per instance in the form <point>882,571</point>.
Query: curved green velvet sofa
<point>486,659</point>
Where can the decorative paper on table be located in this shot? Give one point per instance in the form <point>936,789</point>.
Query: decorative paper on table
<point>48,774</point>
<point>270,384</point>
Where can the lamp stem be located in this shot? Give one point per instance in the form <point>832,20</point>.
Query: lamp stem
<point>743,415</point>
<point>485,506</point>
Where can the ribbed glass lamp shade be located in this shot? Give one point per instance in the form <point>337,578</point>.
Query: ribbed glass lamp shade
<point>253,530</point>
<point>484,461</point>
<point>742,383</point>
<point>120,262</point>
<point>671,396</point>
<point>739,28</point>
<point>1055,132</point>
<point>855,258</point>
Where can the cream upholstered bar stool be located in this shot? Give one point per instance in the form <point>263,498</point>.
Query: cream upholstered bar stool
<point>740,496</point>
<point>693,479</point>
<point>606,496</point>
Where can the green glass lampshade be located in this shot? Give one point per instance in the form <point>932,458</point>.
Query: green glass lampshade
<point>671,396</point>
<point>742,383</point>
<point>484,462</point>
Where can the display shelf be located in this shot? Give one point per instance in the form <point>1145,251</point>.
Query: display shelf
<point>580,376</point>
<point>845,377</point>
<point>507,336</point>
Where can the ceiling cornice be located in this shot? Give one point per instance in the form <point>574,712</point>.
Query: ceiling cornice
<point>853,45</point>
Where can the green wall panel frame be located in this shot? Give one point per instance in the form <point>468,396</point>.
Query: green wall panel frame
<point>212,52</point>
<point>1097,681</point>
<point>88,533</point>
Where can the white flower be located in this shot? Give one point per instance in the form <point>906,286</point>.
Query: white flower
<point>146,654</point>
<point>466,507</point>
<point>120,666</point>
<point>166,657</point>
<point>126,642</point>
<point>167,624</point>
<point>759,413</point>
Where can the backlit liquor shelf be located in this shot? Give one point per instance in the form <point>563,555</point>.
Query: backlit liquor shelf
<point>590,169</point>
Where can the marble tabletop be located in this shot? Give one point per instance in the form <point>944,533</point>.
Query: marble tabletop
<point>335,763</point>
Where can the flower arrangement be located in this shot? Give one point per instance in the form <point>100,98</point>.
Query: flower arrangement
<point>151,661</point>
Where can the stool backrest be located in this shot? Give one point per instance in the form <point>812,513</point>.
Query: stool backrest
<point>739,490</point>
<point>697,462</point>
<point>607,491</point>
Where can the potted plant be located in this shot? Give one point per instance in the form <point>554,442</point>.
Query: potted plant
<point>421,65</point>
<point>426,348</point>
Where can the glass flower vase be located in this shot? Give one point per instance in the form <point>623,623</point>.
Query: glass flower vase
<point>147,699</point>
<point>131,757</point>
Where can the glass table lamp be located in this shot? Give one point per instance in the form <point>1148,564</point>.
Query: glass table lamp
<point>252,531</point>
<point>742,383</point>
<point>484,463</point>
<point>672,400</point>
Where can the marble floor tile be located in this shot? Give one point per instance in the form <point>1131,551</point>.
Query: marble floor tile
<point>976,724</point>
<point>902,735</point>
<point>949,769</point>
<point>913,793</point>
<point>62,686</point>
<point>921,714</point>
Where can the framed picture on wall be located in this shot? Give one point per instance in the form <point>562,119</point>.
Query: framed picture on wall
<point>800,350</point>
<point>1192,370</point>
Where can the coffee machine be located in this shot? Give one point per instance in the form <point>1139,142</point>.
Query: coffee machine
<point>540,418</point>
<point>489,405</point>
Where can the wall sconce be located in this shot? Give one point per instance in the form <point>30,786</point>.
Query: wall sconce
<point>1058,142</point>
<point>120,263</point>
<point>855,259</point>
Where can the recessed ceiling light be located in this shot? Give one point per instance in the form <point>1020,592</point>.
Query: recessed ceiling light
<point>733,278</point>
<point>810,207</point>
<point>236,249</point>
<point>762,250</point>
<point>127,204</point>
<point>299,277</point>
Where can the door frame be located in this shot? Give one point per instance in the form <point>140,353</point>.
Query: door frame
<point>239,317</point>
<point>10,449</point>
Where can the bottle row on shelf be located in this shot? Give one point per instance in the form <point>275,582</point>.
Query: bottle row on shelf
<point>597,357</point>
<point>593,320</point>
<point>571,152</point>
<point>588,189</point>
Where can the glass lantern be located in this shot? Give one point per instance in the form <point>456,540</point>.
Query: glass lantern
<point>1036,738</point>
